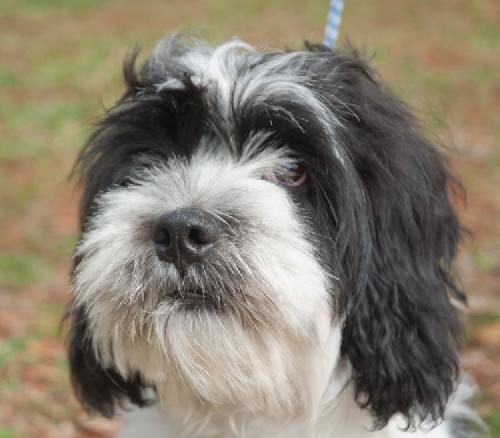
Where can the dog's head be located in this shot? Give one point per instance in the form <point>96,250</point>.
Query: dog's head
<point>249,221</point>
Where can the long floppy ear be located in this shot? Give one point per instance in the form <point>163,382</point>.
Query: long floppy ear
<point>97,388</point>
<point>401,328</point>
<point>100,165</point>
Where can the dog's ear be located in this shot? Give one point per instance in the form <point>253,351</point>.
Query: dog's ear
<point>98,388</point>
<point>401,327</point>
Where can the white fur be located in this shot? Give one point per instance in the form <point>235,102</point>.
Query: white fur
<point>338,416</point>
<point>253,361</point>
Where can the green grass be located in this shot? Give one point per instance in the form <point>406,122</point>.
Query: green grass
<point>482,261</point>
<point>45,6</point>
<point>66,68</point>
<point>21,269</point>
<point>49,324</point>
<point>10,383</point>
<point>484,319</point>
<point>66,246</point>
<point>6,433</point>
<point>8,78</point>
<point>486,36</point>
<point>493,422</point>
<point>38,127</point>
<point>9,348</point>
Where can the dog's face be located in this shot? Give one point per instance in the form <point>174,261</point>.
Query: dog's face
<point>250,220</point>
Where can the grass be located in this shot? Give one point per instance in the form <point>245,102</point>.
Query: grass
<point>37,128</point>
<point>8,78</point>
<point>6,433</point>
<point>44,6</point>
<point>493,422</point>
<point>63,67</point>
<point>482,261</point>
<point>20,269</point>
<point>10,348</point>
<point>485,319</point>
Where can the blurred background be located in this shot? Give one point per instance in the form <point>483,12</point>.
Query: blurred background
<point>60,65</point>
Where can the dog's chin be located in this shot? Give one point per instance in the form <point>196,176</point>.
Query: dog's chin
<point>196,300</point>
<point>215,361</point>
<point>198,353</point>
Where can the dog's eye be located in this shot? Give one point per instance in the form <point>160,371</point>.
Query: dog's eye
<point>293,174</point>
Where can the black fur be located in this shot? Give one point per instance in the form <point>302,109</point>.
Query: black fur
<point>401,330</point>
<point>97,388</point>
<point>389,229</point>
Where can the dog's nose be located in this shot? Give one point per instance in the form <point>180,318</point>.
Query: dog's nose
<point>184,236</point>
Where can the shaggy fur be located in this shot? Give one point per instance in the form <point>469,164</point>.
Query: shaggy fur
<point>324,309</point>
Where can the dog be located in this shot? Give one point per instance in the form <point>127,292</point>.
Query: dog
<point>265,251</point>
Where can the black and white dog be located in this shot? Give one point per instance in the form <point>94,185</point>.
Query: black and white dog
<point>265,252</point>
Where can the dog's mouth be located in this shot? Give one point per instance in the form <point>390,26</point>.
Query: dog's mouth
<point>193,299</point>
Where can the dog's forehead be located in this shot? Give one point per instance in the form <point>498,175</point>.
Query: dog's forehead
<point>221,67</point>
<point>235,75</point>
<point>243,90</point>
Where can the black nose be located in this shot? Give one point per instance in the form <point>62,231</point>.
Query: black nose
<point>185,236</point>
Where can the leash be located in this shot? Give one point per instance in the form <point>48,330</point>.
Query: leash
<point>333,22</point>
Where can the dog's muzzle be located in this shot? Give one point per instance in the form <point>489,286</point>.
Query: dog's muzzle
<point>185,236</point>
